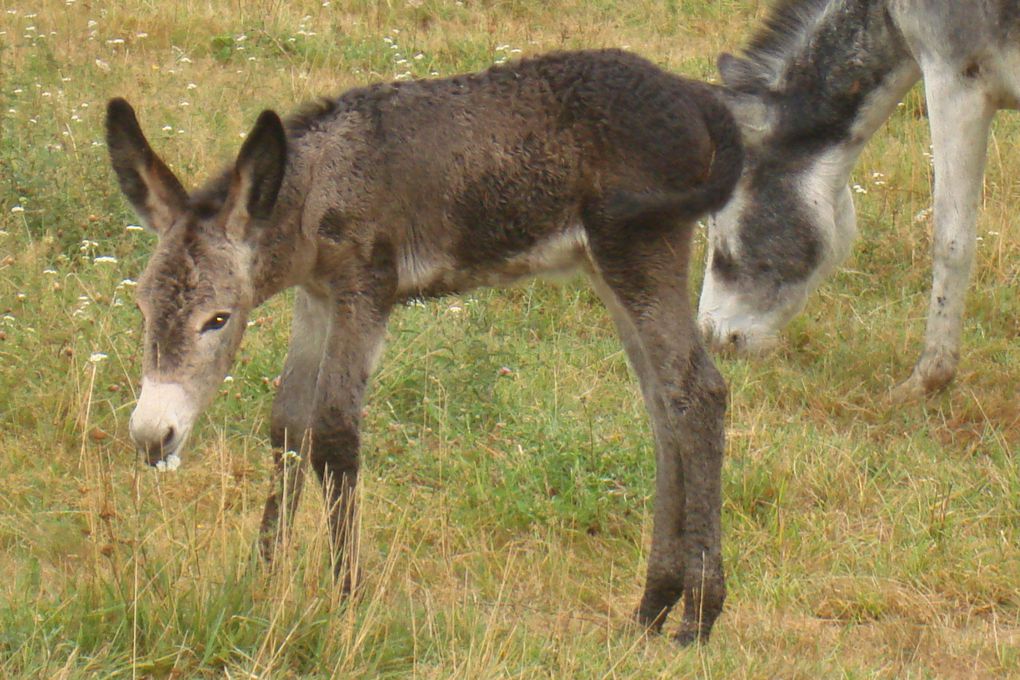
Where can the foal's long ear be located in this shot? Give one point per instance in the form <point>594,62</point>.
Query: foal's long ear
<point>153,190</point>
<point>258,174</point>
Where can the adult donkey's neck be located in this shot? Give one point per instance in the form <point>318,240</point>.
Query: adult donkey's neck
<point>829,73</point>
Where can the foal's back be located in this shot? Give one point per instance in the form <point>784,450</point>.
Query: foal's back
<point>467,173</point>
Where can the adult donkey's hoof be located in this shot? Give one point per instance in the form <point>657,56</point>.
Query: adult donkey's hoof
<point>932,374</point>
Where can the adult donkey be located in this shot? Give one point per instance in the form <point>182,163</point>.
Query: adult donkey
<point>592,160</point>
<point>811,89</point>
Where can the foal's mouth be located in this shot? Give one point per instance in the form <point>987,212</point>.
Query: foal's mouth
<point>165,456</point>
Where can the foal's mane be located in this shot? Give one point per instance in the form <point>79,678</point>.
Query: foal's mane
<point>784,31</point>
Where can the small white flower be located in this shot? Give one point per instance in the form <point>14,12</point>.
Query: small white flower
<point>128,282</point>
<point>105,259</point>
<point>192,86</point>
<point>168,128</point>
<point>96,357</point>
<point>859,189</point>
<point>169,464</point>
<point>134,227</point>
<point>49,272</point>
<point>228,378</point>
<point>17,209</point>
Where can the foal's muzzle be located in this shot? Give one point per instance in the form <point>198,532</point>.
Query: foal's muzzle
<point>161,422</point>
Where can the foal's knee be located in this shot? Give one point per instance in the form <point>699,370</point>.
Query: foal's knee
<point>334,451</point>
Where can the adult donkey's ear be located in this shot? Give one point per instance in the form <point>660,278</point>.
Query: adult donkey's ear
<point>258,174</point>
<point>153,190</point>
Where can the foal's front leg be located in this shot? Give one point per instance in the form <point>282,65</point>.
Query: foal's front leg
<point>357,327</point>
<point>292,408</point>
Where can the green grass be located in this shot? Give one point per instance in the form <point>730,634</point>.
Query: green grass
<point>506,515</point>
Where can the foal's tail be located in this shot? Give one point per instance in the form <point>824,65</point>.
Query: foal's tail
<point>726,165</point>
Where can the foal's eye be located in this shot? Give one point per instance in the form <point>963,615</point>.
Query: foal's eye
<point>217,322</point>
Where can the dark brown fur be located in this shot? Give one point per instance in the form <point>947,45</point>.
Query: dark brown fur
<point>593,160</point>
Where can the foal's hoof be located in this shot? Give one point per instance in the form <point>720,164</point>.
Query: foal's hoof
<point>690,634</point>
<point>651,624</point>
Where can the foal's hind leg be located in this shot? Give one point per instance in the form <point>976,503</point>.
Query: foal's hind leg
<point>644,279</point>
<point>665,578</point>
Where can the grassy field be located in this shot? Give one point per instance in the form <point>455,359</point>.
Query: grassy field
<point>506,513</point>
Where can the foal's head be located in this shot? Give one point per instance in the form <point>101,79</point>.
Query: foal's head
<point>199,285</point>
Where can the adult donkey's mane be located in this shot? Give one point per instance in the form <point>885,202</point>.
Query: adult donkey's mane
<point>782,33</point>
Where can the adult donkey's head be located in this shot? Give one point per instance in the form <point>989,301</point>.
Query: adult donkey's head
<point>789,223</point>
<point>812,86</point>
<point>202,280</point>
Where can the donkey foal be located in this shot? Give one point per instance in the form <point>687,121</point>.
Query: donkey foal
<point>593,160</point>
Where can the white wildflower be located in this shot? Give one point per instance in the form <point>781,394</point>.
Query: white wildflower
<point>17,209</point>
<point>105,259</point>
<point>169,464</point>
<point>96,357</point>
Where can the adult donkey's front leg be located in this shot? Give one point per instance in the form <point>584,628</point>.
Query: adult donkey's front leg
<point>960,112</point>
<point>357,327</point>
<point>289,429</point>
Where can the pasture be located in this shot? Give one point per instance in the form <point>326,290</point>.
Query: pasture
<point>507,459</point>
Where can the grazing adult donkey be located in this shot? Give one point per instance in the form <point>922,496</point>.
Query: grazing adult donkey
<point>811,89</point>
<point>594,160</point>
